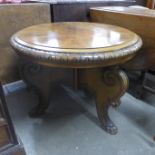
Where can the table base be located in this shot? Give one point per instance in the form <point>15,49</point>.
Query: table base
<point>107,85</point>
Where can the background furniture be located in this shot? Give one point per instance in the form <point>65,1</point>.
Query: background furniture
<point>138,21</point>
<point>150,4</point>
<point>9,143</point>
<point>14,17</point>
<point>78,10</point>
<point>141,21</point>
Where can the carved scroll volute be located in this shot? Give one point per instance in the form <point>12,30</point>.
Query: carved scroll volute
<point>115,84</point>
<point>107,85</point>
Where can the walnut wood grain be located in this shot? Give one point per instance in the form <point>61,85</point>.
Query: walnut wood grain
<point>76,44</point>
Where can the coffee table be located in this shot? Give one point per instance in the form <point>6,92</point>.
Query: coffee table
<point>94,50</point>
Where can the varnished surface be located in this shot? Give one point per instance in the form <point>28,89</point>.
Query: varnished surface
<point>76,36</point>
<point>141,21</point>
<point>76,44</point>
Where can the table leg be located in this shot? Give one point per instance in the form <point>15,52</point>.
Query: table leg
<point>107,85</point>
<point>43,104</point>
<point>43,80</point>
<point>37,78</point>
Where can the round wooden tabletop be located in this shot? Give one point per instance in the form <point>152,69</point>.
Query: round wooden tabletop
<point>76,44</point>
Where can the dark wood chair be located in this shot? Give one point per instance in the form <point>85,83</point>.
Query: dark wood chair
<point>9,143</point>
<point>14,17</point>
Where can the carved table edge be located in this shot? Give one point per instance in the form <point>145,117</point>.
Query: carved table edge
<point>74,59</point>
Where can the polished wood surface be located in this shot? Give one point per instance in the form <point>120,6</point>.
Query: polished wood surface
<point>76,36</point>
<point>76,44</point>
<point>141,21</point>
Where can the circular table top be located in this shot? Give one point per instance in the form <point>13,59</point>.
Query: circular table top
<point>76,44</point>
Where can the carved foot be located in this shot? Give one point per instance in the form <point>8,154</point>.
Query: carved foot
<point>107,85</point>
<point>105,120</point>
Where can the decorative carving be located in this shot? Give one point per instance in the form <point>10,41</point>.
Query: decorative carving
<point>107,85</point>
<point>76,57</point>
<point>28,69</point>
<point>42,79</point>
<point>32,74</point>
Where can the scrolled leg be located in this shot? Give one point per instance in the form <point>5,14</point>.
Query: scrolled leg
<point>43,79</point>
<point>107,85</point>
<point>38,79</point>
